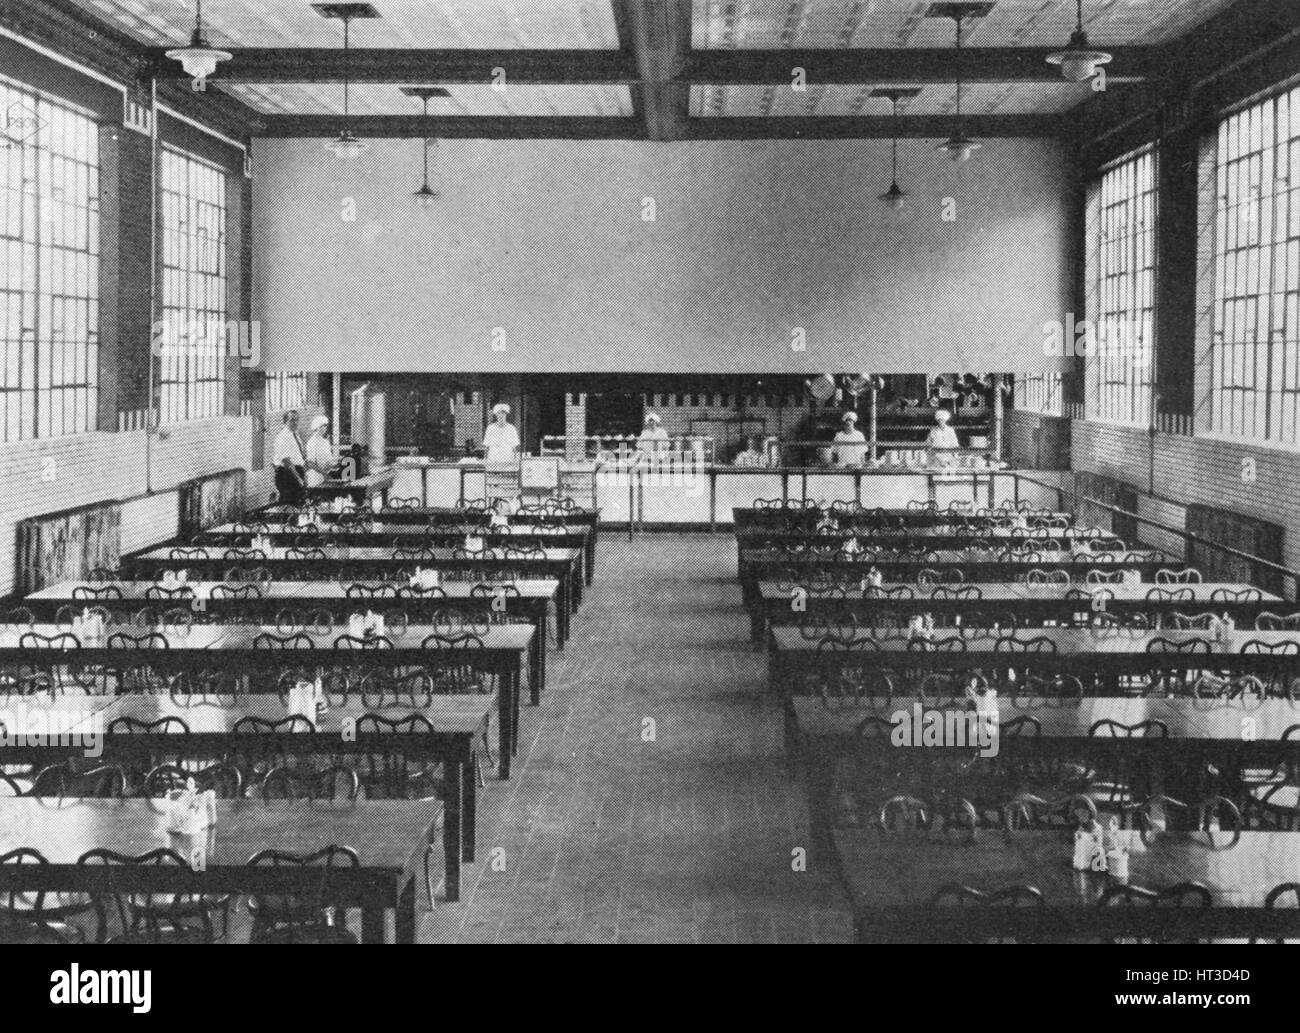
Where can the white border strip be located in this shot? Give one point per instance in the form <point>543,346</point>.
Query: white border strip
<point>67,62</point>
<point>172,113</point>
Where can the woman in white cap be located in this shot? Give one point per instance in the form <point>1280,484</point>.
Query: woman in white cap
<point>845,440</point>
<point>942,437</point>
<point>319,452</point>
<point>653,436</point>
<point>501,440</point>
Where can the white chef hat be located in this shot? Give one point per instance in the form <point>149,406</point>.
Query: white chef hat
<point>652,418</point>
<point>849,417</point>
<point>501,407</point>
<point>942,415</point>
<point>321,420</point>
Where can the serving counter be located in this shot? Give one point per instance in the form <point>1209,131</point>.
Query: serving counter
<point>703,496</point>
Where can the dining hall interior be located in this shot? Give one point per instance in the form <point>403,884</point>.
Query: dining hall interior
<point>649,471</point>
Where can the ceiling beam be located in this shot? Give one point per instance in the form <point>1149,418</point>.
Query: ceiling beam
<point>624,67</point>
<point>658,33</point>
<point>927,127</point>
<point>451,67</point>
<point>485,127</point>
<point>504,127</point>
<point>909,65</point>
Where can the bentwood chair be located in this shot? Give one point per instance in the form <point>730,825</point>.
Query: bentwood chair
<point>28,916</point>
<point>138,916</point>
<point>958,895</point>
<point>1182,895</point>
<point>312,915</point>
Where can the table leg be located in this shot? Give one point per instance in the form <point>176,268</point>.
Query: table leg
<point>534,687</point>
<point>511,678</point>
<point>505,729</point>
<point>404,920</point>
<point>469,786</point>
<point>451,828</point>
<point>589,547</point>
<point>542,645</point>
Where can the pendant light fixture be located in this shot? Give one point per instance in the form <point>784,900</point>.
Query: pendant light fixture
<point>346,145</point>
<point>198,59</point>
<point>959,146</point>
<point>894,197</point>
<point>426,196</point>
<point>1078,61</point>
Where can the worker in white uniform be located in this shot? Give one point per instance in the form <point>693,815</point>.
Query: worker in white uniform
<point>287,458</point>
<point>320,454</point>
<point>846,454</point>
<point>653,439</point>
<point>941,437</point>
<point>501,440</point>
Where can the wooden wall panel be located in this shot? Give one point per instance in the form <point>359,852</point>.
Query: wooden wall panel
<point>68,545</point>
<point>207,501</point>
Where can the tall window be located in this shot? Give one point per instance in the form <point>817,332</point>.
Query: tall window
<point>193,349</point>
<point>1255,341</point>
<point>1039,393</point>
<point>285,391</point>
<point>1121,238</point>
<point>49,266</point>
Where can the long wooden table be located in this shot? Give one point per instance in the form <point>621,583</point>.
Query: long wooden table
<point>746,518</point>
<point>941,537</point>
<point>892,879</point>
<point>360,564</point>
<point>758,565</point>
<point>1084,652</point>
<point>778,603</point>
<point>426,515</point>
<point>210,730</point>
<point>307,599</point>
<point>819,735</point>
<point>383,533</point>
<point>389,836</point>
<point>228,647</point>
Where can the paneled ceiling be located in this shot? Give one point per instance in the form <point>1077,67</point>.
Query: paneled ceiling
<point>839,101</point>
<point>672,69</point>
<point>831,24</point>
<point>385,99</point>
<point>440,24</point>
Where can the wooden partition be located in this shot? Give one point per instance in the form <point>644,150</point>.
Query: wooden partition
<point>68,545</point>
<point>208,501</point>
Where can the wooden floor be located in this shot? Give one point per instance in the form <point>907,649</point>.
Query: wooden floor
<point>602,837</point>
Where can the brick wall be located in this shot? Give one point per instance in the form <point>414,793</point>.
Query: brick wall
<point>46,476</point>
<point>1189,469</point>
<point>575,425</point>
<point>716,415</point>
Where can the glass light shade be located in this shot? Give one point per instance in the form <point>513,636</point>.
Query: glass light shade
<point>346,145</point>
<point>426,197</point>
<point>1079,65</point>
<point>894,197</point>
<point>959,148</point>
<point>198,59</point>
<point>1079,62</point>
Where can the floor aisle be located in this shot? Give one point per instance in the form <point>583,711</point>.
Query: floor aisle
<point>602,837</point>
